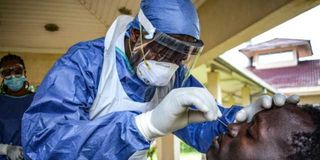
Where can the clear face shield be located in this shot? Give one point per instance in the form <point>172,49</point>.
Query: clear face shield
<point>161,47</point>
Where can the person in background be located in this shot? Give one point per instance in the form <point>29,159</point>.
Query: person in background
<point>15,98</point>
<point>287,133</point>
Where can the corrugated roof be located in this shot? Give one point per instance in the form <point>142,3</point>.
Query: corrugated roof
<point>305,74</point>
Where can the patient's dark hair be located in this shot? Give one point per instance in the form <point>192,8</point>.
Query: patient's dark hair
<point>11,57</point>
<point>307,145</point>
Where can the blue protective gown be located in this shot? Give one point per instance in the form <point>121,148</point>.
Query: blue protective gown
<point>57,125</point>
<point>11,111</point>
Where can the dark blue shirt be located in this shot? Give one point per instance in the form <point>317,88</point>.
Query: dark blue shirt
<point>11,112</point>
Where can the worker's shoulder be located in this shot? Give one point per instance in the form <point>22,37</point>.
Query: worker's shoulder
<point>87,48</point>
<point>84,53</point>
<point>91,44</point>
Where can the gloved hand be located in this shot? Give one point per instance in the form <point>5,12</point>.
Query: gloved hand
<point>174,112</point>
<point>14,152</point>
<point>264,102</point>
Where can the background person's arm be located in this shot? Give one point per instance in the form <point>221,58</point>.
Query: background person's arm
<point>57,125</point>
<point>12,152</point>
<point>3,149</point>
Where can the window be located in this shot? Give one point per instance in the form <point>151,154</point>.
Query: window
<point>275,60</point>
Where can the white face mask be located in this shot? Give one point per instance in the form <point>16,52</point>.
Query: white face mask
<point>157,74</point>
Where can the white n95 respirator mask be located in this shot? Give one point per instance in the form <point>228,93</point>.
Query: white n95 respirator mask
<point>156,73</point>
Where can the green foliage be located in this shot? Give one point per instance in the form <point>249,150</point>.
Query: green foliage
<point>151,152</point>
<point>184,148</point>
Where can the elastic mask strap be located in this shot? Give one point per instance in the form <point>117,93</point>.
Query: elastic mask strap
<point>142,51</point>
<point>1,87</point>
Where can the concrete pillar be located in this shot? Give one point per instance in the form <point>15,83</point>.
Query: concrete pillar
<point>245,94</point>
<point>168,148</point>
<point>230,102</point>
<point>214,85</point>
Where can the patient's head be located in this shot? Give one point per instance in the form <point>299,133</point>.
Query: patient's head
<point>289,132</point>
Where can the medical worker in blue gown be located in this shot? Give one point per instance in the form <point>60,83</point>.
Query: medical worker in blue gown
<point>109,98</point>
<point>15,98</point>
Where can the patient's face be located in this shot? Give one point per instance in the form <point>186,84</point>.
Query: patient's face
<point>267,137</point>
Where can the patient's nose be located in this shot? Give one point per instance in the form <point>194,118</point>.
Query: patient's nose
<point>233,129</point>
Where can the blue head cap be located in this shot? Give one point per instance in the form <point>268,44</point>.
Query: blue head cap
<point>171,16</point>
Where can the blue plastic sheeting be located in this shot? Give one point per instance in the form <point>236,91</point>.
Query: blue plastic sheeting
<point>57,124</point>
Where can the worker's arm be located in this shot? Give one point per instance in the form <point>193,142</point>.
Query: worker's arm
<point>200,135</point>
<point>57,125</point>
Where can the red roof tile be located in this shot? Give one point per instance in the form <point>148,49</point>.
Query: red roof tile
<point>305,74</point>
